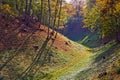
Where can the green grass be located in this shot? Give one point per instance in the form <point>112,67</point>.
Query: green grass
<point>99,65</point>
<point>81,67</point>
<point>80,59</point>
<point>50,70</point>
<point>65,61</point>
<point>80,63</point>
<point>90,40</point>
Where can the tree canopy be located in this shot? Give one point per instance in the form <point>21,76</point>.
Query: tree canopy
<point>104,16</point>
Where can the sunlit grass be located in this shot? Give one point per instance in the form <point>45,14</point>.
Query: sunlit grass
<point>79,59</point>
<point>102,66</point>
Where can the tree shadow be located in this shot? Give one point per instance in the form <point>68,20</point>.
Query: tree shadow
<point>83,74</point>
<point>43,53</point>
<point>105,55</point>
<point>15,53</point>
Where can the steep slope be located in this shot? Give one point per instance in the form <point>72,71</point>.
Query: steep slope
<point>21,44</point>
<point>26,53</point>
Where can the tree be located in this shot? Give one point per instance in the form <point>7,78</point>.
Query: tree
<point>104,16</point>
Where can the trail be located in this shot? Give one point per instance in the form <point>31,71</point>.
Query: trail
<point>77,64</point>
<point>80,67</point>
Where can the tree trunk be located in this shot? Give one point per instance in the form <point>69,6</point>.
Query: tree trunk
<point>59,14</point>
<point>41,11</point>
<point>17,8</point>
<point>49,13</point>
<point>28,14</point>
<point>118,37</point>
<point>21,7</point>
<point>26,8</point>
<point>55,15</point>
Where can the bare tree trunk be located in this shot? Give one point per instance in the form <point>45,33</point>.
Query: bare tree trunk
<point>29,9</point>
<point>17,8</point>
<point>59,14</point>
<point>55,13</point>
<point>117,30</point>
<point>41,11</point>
<point>118,37</point>
<point>49,13</point>
<point>21,7</point>
<point>26,8</point>
<point>28,14</point>
<point>59,17</point>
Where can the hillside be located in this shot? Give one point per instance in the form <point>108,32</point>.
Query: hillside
<point>106,64</point>
<point>59,58</point>
<point>75,31</point>
<point>102,64</point>
<point>91,39</point>
<point>30,50</point>
<point>20,45</point>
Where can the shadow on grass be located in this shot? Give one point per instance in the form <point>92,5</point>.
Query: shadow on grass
<point>43,55</point>
<point>82,75</point>
<point>105,54</point>
<point>85,74</point>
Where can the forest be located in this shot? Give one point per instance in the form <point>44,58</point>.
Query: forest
<point>59,39</point>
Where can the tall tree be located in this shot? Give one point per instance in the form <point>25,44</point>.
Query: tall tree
<point>104,16</point>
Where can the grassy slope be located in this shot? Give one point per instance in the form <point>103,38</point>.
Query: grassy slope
<point>69,60</point>
<point>63,59</point>
<point>65,53</point>
<point>94,67</point>
<point>90,40</point>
